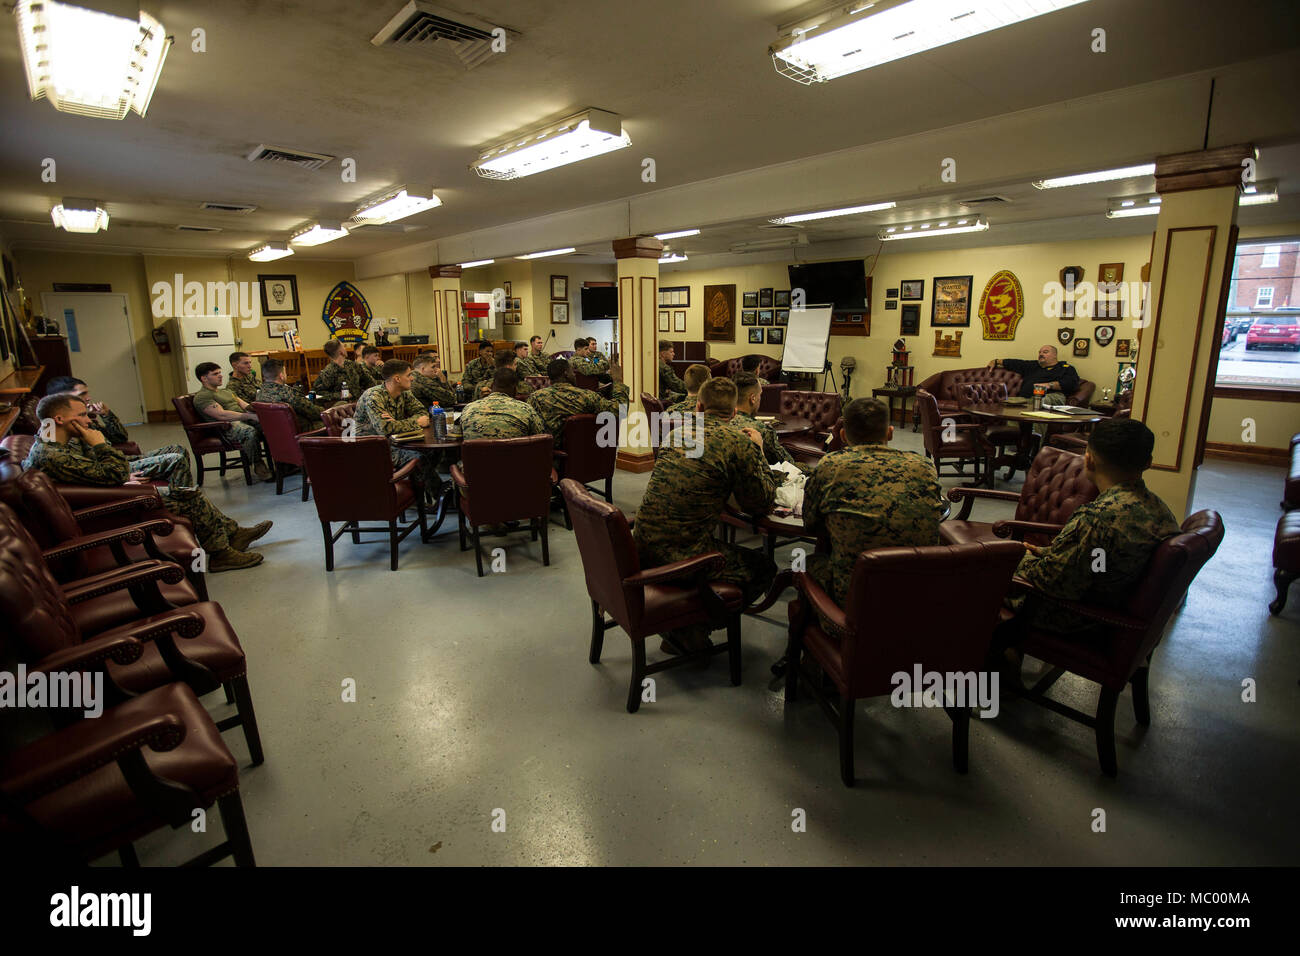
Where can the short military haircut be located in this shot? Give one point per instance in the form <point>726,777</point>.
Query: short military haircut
<point>520,345</point>
<point>866,421</point>
<point>535,338</point>
<point>205,368</point>
<point>746,384</point>
<point>394,367</point>
<point>750,363</point>
<point>271,369</point>
<point>696,376</point>
<point>236,356</point>
<point>665,346</point>
<point>505,380</point>
<point>718,395</point>
<point>62,383</point>
<point>423,360</point>
<point>1121,445</point>
<point>591,340</point>
<point>332,347</point>
<point>557,369</point>
<point>484,347</point>
<point>56,404</point>
<point>370,350</point>
<point>506,358</point>
<point>579,344</point>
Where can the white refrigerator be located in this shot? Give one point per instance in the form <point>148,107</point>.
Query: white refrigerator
<point>200,338</point>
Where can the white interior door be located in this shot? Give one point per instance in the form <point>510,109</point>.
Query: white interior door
<point>102,346</point>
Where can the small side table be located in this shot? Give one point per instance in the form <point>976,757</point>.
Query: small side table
<point>902,393</point>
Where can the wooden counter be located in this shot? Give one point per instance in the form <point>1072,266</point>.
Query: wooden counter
<point>19,382</point>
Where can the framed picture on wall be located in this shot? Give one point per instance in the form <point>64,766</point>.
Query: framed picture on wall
<point>776,336</point>
<point>913,289</point>
<point>950,305</point>
<point>766,317</point>
<point>892,304</point>
<point>1081,347</point>
<point>755,336</point>
<point>782,316</point>
<point>506,286</point>
<point>781,299</point>
<point>275,328</point>
<point>514,305</point>
<point>559,313</point>
<point>749,316</point>
<point>1123,348</point>
<point>765,298</point>
<point>664,319</point>
<point>279,294</point>
<point>679,320</point>
<point>910,323</point>
<point>559,288</point>
<point>749,300</point>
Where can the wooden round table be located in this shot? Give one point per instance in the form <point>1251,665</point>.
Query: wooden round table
<point>1026,418</point>
<point>447,498</point>
<point>791,425</point>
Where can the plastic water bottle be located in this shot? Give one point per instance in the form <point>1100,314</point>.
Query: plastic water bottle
<point>460,393</point>
<point>438,422</point>
<point>345,394</point>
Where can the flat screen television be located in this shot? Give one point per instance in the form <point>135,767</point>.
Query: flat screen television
<point>600,303</point>
<point>842,284</point>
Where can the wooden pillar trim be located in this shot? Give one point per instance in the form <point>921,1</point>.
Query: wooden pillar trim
<point>1203,169</point>
<point>638,247</point>
<point>445,272</point>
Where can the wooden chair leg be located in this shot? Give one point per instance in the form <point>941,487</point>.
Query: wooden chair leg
<point>222,472</point>
<point>460,520</point>
<point>638,674</point>
<point>1141,700</point>
<point>532,528</point>
<point>356,531</point>
<point>478,552</point>
<point>329,546</point>
<point>609,489</point>
<point>847,705</point>
<point>127,855</point>
<point>202,470</point>
<point>248,469</point>
<point>546,544</point>
<point>597,633</point>
<point>1106,731</point>
<point>960,737</point>
<point>392,544</point>
<point>233,821</point>
<point>733,648</point>
<point>230,692</point>
<point>279,478</point>
<point>1282,581</point>
<point>306,486</point>
<point>248,718</point>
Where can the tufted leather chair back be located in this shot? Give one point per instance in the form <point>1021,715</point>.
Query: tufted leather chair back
<point>651,403</point>
<point>982,393</point>
<point>608,554</point>
<point>586,461</point>
<point>31,602</point>
<point>896,625</point>
<point>1055,488</point>
<point>333,418</point>
<point>537,381</point>
<point>769,403</point>
<point>19,447</point>
<point>821,408</point>
<point>928,408</point>
<point>280,427</point>
<point>768,368</point>
<point>509,478</point>
<point>27,423</point>
<point>352,479</point>
<point>44,512</point>
<point>202,441</point>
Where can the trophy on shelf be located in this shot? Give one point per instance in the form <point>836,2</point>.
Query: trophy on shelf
<point>899,374</point>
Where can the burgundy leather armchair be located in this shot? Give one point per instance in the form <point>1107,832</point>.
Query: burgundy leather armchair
<point>1054,489</point>
<point>505,479</point>
<point>1291,490</point>
<point>581,458</point>
<point>652,403</point>
<point>945,385</point>
<point>967,444</point>
<point>209,438</point>
<point>280,429</point>
<point>768,369</point>
<point>355,482</point>
<point>650,601</point>
<point>334,418</point>
<point>1119,651</point>
<point>537,381</point>
<point>892,624</point>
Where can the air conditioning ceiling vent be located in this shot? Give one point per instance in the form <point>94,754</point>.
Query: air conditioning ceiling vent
<point>293,157</point>
<point>451,36</point>
<point>237,207</point>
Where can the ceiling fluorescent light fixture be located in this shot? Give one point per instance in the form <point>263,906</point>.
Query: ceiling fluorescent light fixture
<point>549,252</point>
<point>763,245</point>
<point>320,232</point>
<point>1258,194</point>
<point>396,204</point>
<point>480,262</point>
<point>80,215</point>
<point>1101,176</point>
<point>935,227</point>
<point>832,213</point>
<point>875,33</point>
<point>682,234</point>
<point>89,62</point>
<point>581,136</point>
<point>1126,207</point>
<point>270,252</point>
<point>673,257</point>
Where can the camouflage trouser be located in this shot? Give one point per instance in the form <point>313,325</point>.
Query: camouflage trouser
<point>750,570</point>
<point>249,439</point>
<point>211,527</point>
<point>426,470</point>
<point>170,462</point>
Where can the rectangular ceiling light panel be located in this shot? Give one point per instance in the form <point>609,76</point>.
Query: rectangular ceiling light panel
<point>583,136</point>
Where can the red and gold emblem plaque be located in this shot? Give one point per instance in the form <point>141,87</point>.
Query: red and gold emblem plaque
<point>1002,306</point>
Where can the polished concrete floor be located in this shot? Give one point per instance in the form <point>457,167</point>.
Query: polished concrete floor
<point>475,702</point>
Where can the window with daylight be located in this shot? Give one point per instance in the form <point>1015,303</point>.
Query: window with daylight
<point>1261,334</point>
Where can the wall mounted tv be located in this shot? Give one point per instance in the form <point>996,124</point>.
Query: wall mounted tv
<point>842,284</point>
<point>600,303</point>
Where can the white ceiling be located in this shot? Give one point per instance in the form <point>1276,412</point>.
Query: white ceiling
<point>692,81</point>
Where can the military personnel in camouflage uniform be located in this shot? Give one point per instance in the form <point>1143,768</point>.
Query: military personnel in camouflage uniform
<point>1126,521</point>
<point>392,409</point>
<point>222,405</point>
<point>371,366</point>
<point>243,380</point>
<point>507,360</point>
<point>687,495</point>
<point>499,415</point>
<point>480,370</point>
<point>535,361</point>
<point>561,400</point>
<point>587,361</point>
<point>170,463</point>
<point>694,380</point>
<point>868,495</point>
<point>429,382</point>
<point>80,455</point>
<point>671,388</point>
<point>747,397</point>
<point>275,388</point>
<point>341,371</point>
<point>750,363</point>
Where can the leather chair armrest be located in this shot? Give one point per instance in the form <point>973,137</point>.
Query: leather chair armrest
<point>321,432</point>
<point>207,426</point>
<point>133,503</point>
<point>121,578</point>
<point>91,654</point>
<point>404,472</point>
<point>1102,614</point>
<point>667,573</point>
<point>82,748</point>
<point>128,534</point>
<point>89,496</point>
<point>183,622</point>
<point>832,616</point>
<point>1018,529</point>
<point>458,477</point>
<point>967,498</point>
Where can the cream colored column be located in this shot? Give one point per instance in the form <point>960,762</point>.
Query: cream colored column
<point>638,348</point>
<point>1191,263</point>
<point>447,331</point>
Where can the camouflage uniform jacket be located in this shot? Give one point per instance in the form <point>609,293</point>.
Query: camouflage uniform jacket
<point>869,496</point>
<point>773,450</point>
<point>1126,522</point>
<point>370,374</point>
<point>686,406</point>
<point>111,427</point>
<point>245,388</point>
<point>555,404</point>
<point>307,413</point>
<point>428,390</point>
<point>532,364</point>
<point>476,372</point>
<point>679,513</point>
<point>522,388</point>
<point>670,386</point>
<point>500,416</point>
<point>75,463</point>
<point>329,383</point>
<point>591,365</point>
<point>375,402</point>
